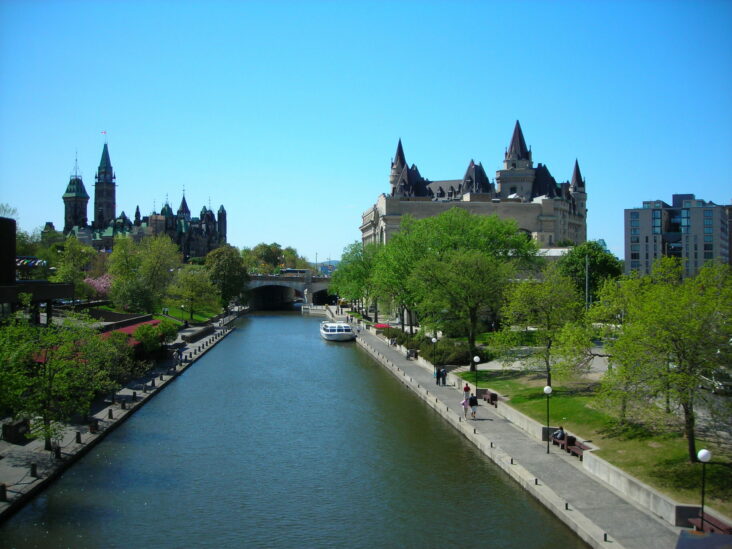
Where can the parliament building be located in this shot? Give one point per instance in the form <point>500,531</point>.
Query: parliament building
<point>196,236</point>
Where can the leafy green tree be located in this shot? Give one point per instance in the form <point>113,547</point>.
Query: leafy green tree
<point>227,272</point>
<point>50,372</point>
<point>142,272</point>
<point>73,260</point>
<point>670,333</point>
<point>353,279</point>
<point>467,283</point>
<point>149,337</point>
<point>546,305</point>
<point>593,259</point>
<point>194,288</point>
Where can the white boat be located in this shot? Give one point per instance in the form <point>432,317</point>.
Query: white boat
<point>336,331</point>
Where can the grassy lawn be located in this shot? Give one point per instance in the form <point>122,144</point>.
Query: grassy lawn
<point>657,457</point>
<point>203,315</point>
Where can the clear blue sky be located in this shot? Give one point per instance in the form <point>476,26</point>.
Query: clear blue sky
<point>288,113</point>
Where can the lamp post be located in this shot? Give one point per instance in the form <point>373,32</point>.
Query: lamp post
<point>434,358</point>
<point>547,392</point>
<point>476,359</point>
<point>704,456</point>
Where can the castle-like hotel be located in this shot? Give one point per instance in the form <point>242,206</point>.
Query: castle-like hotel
<point>196,236</point>
<point>551,213</point>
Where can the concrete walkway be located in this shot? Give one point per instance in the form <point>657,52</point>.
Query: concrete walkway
<point>599,514</point>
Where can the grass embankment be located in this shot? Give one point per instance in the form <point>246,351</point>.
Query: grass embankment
<point>178,314</point>
<point>655,455</point>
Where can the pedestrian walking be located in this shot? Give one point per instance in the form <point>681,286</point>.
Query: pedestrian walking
<point>473,402</point>
<point>465,403</point>
<point>466,392</point>
<point>443,375</point>
<point>438,375</point>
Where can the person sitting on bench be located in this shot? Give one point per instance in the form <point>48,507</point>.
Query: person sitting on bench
<point>559,433</point>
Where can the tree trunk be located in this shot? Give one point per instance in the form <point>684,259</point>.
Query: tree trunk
<point>376,310</point>
<point>472,327</point>
<point>689,429</point>
<point>47,435</point>
<point>401,317</point>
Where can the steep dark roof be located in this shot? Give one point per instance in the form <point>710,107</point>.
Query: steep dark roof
<point>75,188</point>
<point>167,211</point>
<point>577,180</point>
<point>544,184</point>
<point>476,180</point>
<point>105,162</point>
<point>399,158</point>
<point>183,209</point>
<point>517,148</point>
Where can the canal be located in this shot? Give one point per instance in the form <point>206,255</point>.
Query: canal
<point>276,438</point>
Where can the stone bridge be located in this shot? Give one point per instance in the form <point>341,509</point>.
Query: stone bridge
<point>287,288</point>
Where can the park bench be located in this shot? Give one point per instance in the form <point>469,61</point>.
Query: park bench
<point>490,398</point>
<point>576,448</point>
<point>711,525</point>
<point>412,353</point>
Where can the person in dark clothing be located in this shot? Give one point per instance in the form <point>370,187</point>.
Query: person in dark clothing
<point>559,433</point>
<point>443,375</point>
<point>473,402</point>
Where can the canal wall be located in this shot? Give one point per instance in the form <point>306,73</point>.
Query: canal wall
<point>27,470</point>
<point>580,524</point>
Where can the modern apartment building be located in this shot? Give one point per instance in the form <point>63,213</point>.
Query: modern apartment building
<point>692,229</point>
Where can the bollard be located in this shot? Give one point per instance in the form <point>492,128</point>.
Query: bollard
<point>491,444</point>
<point>109,414</point>
<point>511,461</point>
<point>124,405</point>
<point>134,396</point>
<point>152,382</point>
<point>3,493</point>
<point>57,452</point>
<point>566,506</point>
<point>33,470</point>
<point>161,377</point>
<point>78,437</point>
<point>604,537</point>
<point>536,481</point>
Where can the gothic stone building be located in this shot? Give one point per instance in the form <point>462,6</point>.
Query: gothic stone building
<point>196,236</point>
<point>550,212</point>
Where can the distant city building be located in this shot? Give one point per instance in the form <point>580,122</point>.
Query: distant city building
<point>691,229</point>
<point>196,236</point>
<point>551,213</point>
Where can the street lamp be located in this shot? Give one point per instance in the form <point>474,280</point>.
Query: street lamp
<point>434,359</point>
<point>547,392</point>
<point>476,359</point>
<point>704,456</point>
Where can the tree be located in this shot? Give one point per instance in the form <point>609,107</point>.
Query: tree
<point>546,305</point>
<point>194,288</point>
<point>6,210</point>
<point>227,272</point>
<point>50,372</point>
<point>142,272</point>
<point>73,260</point>
<point>353,280</point>
<point>591,259</point>
<point>672,333</point>
<point>464,282</point>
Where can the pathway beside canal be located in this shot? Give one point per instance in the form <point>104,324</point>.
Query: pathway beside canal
<point>596,512</point>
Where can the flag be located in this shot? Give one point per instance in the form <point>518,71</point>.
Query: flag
<point>104,132</point>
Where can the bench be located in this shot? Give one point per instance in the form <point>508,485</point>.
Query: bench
<point>490,398</point>
<point>711,525</point>
<point>412,353</point>
<point>575,447</point>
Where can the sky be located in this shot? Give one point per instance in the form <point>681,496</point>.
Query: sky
<point>289,113</point>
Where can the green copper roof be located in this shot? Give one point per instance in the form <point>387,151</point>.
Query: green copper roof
<point>167,211</point>
<point>75,188</point>
<point>105,162</point>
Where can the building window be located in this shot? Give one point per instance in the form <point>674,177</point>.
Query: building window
<point>635,223</point>
<point>634,215</point>
<point>708,213</point>
<point>708,222</point>
<point>634,231</point>
<point>634,247</point>
<point>707,238</point>
<point>634,255</point>
<point>656,230</point>
<point>634,239</point>
<point>708,247</point>
<point>708,255</point>
<point>656,214</point>
<point>707,230</point>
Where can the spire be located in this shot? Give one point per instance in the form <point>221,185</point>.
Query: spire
<point>577,181</point>
<point>399,159</point>
<point>183,209</point>
<point>517,149</point>
<point>105,162</point>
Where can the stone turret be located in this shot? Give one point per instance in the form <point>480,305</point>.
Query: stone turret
<point>75,202</point>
